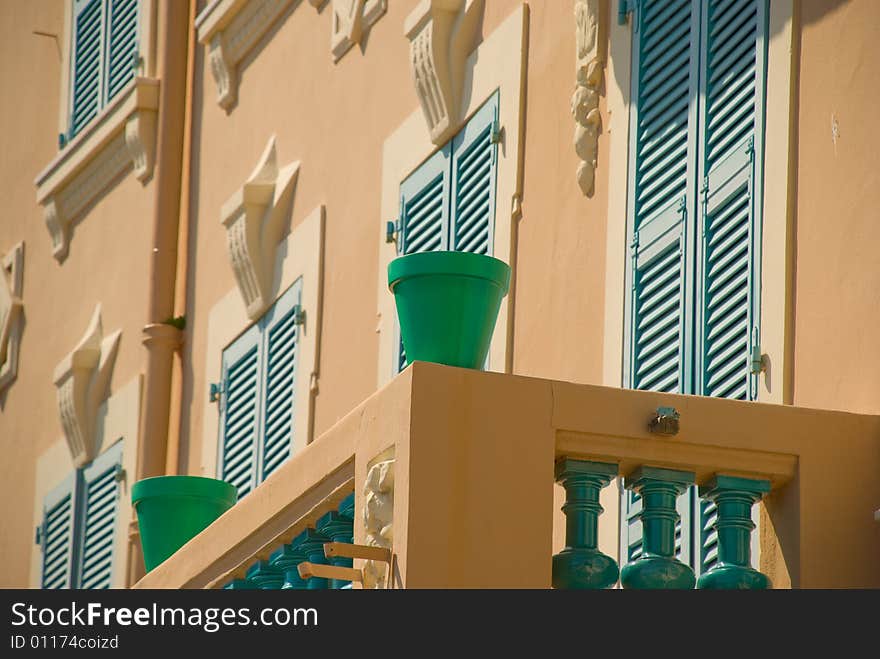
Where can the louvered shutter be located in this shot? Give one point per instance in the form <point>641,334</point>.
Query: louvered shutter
<point>122,40</point>
<point>57,535</point>
<point>732,83</point>
<point>662,172</point>
<point>98,527</point>
<point>424,215</point>
<point>281,335</point>
<point>661,216</point>
<point>474,161</point>
<point>241,366</point>
<point>87,58</point>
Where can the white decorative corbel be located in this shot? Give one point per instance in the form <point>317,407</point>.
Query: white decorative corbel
<point>140,140</point>
<point>254,220</point>
<point>350,21</point>
<point>82,380</point>
<point>585,101</point>
<point>230,29</point>
<point>10,313</point>
<point>224,71</point>
<point>442,34</point>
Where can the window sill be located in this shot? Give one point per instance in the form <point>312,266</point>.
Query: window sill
<point>123,134</point>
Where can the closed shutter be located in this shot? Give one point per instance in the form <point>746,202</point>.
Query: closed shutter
<point>424,215</point>
<point>100,506</point>
<point>57,534</point>
<point>663,127</point>
<point>732,83</point>
<point>474,161</point>
<point>281,336</point>
<point>87,56</point>
<point>122,46</point>
<point>241,366</point>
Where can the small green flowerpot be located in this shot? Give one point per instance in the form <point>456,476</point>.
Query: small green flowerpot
<point>171,510</point>
<point>447,305</point>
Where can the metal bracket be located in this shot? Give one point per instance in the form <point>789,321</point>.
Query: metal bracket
<point>497,132</point>
<point>624,9</point>
<point>214,391</point>
<point>665,421</point>
<point>758,364</point>
<point>299,315</point>
<point>391,231</point>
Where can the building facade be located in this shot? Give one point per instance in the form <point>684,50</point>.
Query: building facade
<point>202,200</point>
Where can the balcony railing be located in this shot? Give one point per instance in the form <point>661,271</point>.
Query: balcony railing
<point>454,471</point>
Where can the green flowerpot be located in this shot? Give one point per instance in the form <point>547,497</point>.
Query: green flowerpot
<point>447,305</point>
<point>171,510</point>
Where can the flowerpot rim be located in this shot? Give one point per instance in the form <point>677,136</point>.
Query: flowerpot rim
<point>461,264</point>
<point>184,486</point>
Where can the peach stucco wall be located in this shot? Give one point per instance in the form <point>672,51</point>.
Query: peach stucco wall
<point>108,263</point>
<point>837,276</point>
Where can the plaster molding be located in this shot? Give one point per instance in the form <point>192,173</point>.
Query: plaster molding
<point>442,33</point>
<point>11,307</point>
<point>82,380</point>
<point>122,136</point>
<point>378,518</point>
<point>254,218</point>
<point>230,29</point>
<point>585,100</point>
<point>350,21</point>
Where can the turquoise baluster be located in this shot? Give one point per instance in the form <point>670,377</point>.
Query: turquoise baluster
<point>734,498</point>
<point>338,527</point>
<point>657,567</point>
<point>581,565</point>
<point>264,576</point>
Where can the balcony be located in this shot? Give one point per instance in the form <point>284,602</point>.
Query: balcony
<point>458,469</point>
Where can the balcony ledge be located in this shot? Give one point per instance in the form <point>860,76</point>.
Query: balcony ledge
<point>122,135</point>
<point>488,443</point>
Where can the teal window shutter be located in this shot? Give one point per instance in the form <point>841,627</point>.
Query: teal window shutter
<point>56,535</point>
<point>241,368</point>
<point>281,337</point>
<point>662,171</point>
<point>100,487</point>
<point>474,163</point>
<point>424,216</point>
<point>424,205</point>
<point>87,62</point>
<point>122,46</point>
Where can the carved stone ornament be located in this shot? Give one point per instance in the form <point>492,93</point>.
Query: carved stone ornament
<point>254,218</point>
<point>82,379</point>
<point>378,518</point>
<point>122,136</point>
<point>11,270</point>
<point>350,21</point>
<point>442,33</point>
<point>231,28</point>
<point>585,100</point>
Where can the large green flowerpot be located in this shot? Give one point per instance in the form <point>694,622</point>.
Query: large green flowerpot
<point>171,510</point>
<point>447,305</point>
